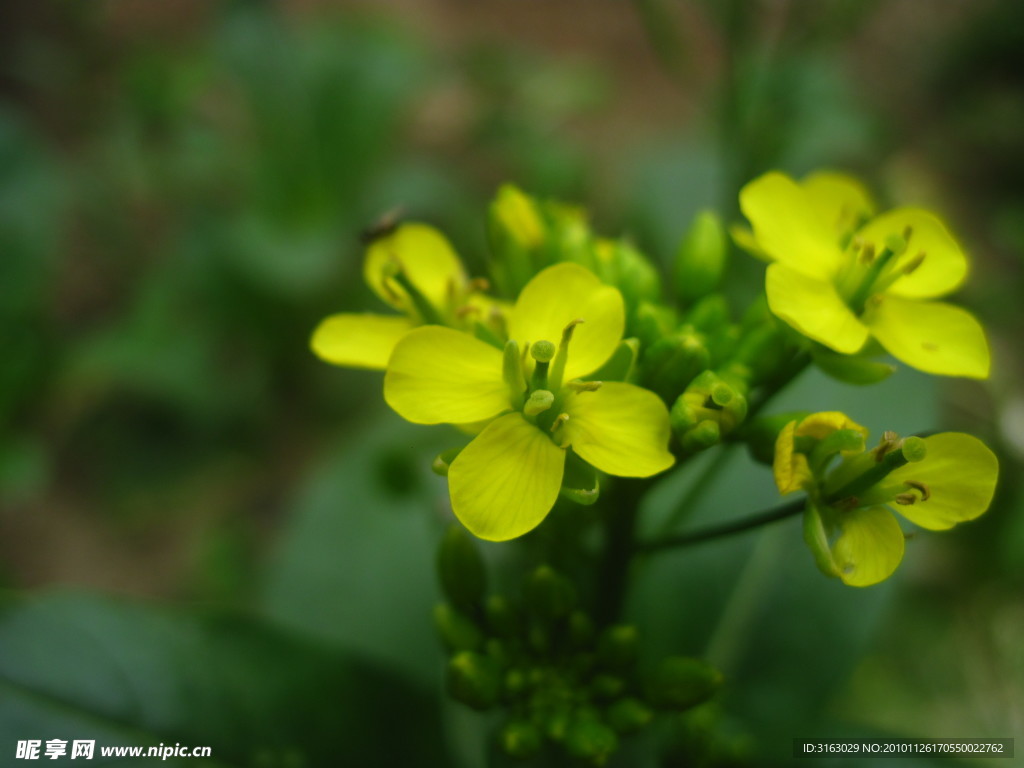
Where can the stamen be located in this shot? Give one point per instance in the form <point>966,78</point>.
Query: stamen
<point>926,492</point>
<point>911,266</point>
<point>906,499</point>
<point>559,422</point>
<point>867,254</point>
<point>479,284</point>
<point>465,310</point>
<point>512,372</point>
<point>584,386</point>
<point>562,355</point>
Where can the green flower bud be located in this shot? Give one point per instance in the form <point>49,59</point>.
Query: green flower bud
<point>762,350</point>
<point>606,687</point>
<point>628,715</point>
<point>704,435</point>
<point>458,631</point>
<point>580,630</point>
<point>520,739</point>
<point>617,647</point>
<point>461,569</point>
<point>672,362</point>
<point>652,321</point>
<point>710,314</point>
<point>681,683</point>
<point>502,617</point>
<point>620,264</point>
<point>516,231</point>
<point>474,680</point>
<point>701,258</point>
<point>444,460</point>
<point>515,681</point>
<point>590,739</point>
<point>549,594</point>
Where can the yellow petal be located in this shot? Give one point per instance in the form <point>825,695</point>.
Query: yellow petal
<point>929,335</point>
<point>559,295</point>
<point>788,227</point>
<point>869,548</point>
<point>507,480</point>
<point>840,200</point>
<point>621,429</point>
<point>821,425</point>
<point>518,213</point>
<point>789,467</point>
<point>438,375</point>
<point>944,266</point>
<point>814,308</point>
<point>428,260</point>
<point>960,473</point>
<point>358,341</point>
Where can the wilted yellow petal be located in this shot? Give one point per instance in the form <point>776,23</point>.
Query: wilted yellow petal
<point>438,375</point>
<point>840,200</point>
<point>506,480</point>
<point>929,335</point>
<point>944,266</point>
<point>869,548</point>
<point>556,297</point>
<point>427,258</point>
<point>814,308</point>
<point>789,467</point>
<point>821,425</point>
<point>788,227</point>
<point>621,429</point>
<point>358,341</point>
<point>959,472</point>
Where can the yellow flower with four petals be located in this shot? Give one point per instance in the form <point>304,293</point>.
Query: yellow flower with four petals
<point>840,274</point>
<point>535,397</point>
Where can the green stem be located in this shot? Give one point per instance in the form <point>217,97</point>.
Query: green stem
<point>696,491</point>
<point>619,547</point>
<point>724,529</point>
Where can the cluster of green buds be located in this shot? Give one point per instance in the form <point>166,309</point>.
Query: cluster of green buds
<point>561,681</point>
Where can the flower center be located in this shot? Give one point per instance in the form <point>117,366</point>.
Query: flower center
<point>870,273</point>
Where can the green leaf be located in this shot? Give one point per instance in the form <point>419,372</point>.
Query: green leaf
<point>75,666</point>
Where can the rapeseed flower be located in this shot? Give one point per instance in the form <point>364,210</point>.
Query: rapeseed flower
<point>934,482</point>
<point>841,275</point>
<point>414,269</point>
<point>535,399</point>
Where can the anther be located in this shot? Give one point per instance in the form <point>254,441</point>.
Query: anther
<point>465,310</point>
<point>479,284</point>
<point>584,386</point>
<point>926,492</point>
<point>559,422</point>
<point>906,499</point>
<point>913,264</point>
<point>908,232</point>
<point>867,253</point>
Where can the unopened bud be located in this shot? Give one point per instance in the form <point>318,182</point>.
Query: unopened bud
<point>502,617</point>
<point>628,715</point>
<point>457,631</point>
<point>520,739</point>
<point>700,260</point>
<point>617,646</point>
<point>549,594</point>
<point>590,739</point>
<point>474,680</point>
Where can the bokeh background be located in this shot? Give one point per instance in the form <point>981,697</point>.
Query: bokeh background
<point>208,536</point>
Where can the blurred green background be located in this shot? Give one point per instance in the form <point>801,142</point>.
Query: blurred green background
<point>208,536</point>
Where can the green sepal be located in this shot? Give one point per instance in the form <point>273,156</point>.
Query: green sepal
<point>443,461</point>
<point>682,682</point>
<point>816,539</point>
<point>461,568</point>
<point>710,314</point>
<point>621,364</point>
<point>580,483</point>
<point>851,369</point>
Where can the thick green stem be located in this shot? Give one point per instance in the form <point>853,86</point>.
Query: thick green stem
<point>625,497</point>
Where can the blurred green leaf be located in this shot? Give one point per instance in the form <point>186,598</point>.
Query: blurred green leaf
<point>88,667</point>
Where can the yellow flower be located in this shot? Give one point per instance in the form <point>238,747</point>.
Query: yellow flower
<point>563,327</point>
<point>840,276</point>
<point>416,271</point>
<point>935,482</point>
